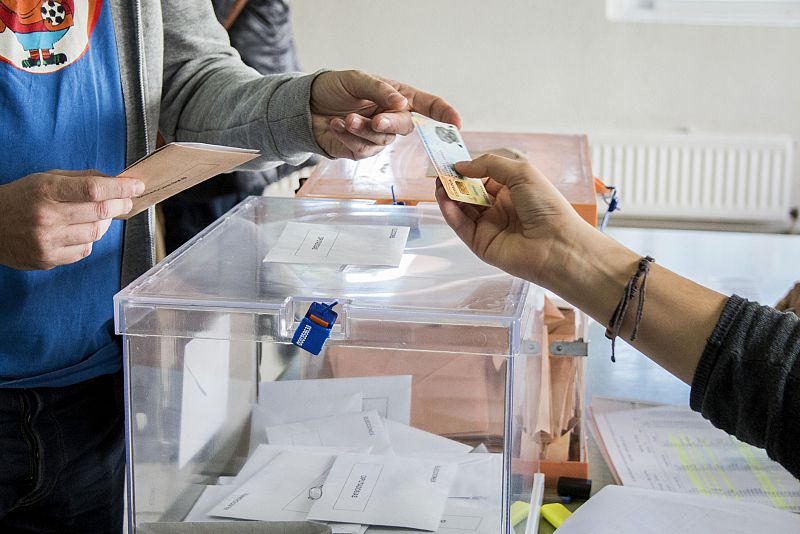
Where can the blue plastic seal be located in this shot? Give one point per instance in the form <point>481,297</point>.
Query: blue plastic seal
<point>315,328</point>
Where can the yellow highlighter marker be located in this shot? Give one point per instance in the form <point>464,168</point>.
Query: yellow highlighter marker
<point>519,511</point>
<point>555,513</point>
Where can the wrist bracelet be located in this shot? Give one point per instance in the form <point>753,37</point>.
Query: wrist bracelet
<point>633,286</point>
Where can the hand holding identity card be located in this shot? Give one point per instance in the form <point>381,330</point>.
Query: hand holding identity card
<point>445,147</point>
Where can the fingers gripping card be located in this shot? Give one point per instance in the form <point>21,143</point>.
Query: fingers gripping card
<point>445,148</point>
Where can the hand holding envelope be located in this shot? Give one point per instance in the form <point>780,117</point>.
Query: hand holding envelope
<point>178,166</point>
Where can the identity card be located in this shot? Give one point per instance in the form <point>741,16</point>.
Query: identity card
<point>445,147</point>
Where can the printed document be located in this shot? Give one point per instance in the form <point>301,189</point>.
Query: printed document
<point>672,448</point>
<point>363,430</point>
<point>385,490</point>
<point>626,510</point>
<point>340,244</point>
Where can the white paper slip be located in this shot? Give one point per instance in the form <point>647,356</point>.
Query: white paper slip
<point>340,244</point>
<point>390,396</point>
<point>407,440</point>
<point>363,430</point>
<point>625,510</point>
<point>283,490</point>
<point>385,490</point>
<point>673,448</point>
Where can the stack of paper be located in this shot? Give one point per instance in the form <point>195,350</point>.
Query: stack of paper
<point>359,468</point>
<point>622,510</point>
<point>672,448</point>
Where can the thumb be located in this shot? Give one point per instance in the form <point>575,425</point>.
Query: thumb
<point>502,170</point>
<point>367,87</point>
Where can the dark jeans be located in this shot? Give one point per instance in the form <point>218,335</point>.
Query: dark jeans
<point>62,458</point>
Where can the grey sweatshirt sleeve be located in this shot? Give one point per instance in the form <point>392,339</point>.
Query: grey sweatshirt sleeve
<point>748,379</point>
<point>210,96</point>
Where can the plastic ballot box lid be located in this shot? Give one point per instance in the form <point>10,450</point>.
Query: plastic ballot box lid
<point>223,271</point>
<point>564,159</point>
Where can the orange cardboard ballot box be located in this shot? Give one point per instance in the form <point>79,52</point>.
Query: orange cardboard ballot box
<point>564,159</point>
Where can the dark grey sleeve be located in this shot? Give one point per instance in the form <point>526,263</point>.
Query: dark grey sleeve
<point>748,379</point>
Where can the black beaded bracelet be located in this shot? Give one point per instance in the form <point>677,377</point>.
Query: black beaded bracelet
<point>634,286</point>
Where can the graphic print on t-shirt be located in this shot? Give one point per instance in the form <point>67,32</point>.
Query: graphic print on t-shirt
<point>43,36</point>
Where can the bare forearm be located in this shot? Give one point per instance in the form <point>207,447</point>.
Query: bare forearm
<point>679,315</point>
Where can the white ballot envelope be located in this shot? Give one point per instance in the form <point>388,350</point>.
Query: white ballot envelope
<point>359,430</point>
<point>258,459</point>
<point>207,500</point>
<point>407,440</point>
<point>466,516</point>
<point>340,244</point>
<point>283,490</point>
<point>390,396</point>
<point>461,516</point>
<point>385,490</point>
<point>480,476</point>
<point>279,406</point>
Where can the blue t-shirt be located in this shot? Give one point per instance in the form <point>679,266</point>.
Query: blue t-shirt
<point>61,107</point>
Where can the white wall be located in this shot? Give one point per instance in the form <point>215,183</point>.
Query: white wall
<point>559,65</point>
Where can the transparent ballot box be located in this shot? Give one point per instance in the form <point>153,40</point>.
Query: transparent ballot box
<point>419,413</point>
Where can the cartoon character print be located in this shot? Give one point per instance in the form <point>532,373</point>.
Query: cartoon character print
<point>38,25</point>
<point>43,36</point>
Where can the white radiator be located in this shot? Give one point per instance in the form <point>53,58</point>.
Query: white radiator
<point>697,177</point>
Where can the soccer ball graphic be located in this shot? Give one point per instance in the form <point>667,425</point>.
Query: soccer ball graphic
<point>53,12</point>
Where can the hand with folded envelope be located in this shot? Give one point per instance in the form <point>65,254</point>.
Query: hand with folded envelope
<point>741,359</point>
<point>53,218</point>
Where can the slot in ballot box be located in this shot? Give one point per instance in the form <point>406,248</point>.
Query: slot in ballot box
<point>417,414</point>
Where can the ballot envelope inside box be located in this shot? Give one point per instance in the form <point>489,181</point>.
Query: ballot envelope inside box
<point>418,414</point>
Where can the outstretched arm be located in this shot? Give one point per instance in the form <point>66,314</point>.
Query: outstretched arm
<point>742,359</point>
<point>532,232</point>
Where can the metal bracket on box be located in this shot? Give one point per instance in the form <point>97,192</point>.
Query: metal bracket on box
<point>579,347</point>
